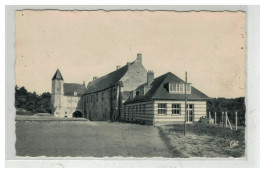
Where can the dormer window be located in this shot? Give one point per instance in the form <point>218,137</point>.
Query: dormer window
<point>178,88</point>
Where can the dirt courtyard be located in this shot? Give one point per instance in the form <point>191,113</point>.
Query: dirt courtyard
<point>113,139</point>
<point>97,139</point>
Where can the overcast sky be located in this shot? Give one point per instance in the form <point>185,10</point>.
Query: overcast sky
<point>210,46</point>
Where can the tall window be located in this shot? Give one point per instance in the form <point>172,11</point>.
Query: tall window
<point>102,96</point>
<point>161,108</point>
<point>139,109</point>
<point>96,96</point>
<point>188,88</point>
<point>172,87</point>
<point>181,87</point>
<point>176,108</point>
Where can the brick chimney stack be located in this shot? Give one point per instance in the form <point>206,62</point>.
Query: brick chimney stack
<point>139,57</point>
<point>150,77</point>
<point>128,64</point>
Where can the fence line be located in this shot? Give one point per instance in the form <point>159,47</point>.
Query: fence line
<point>227,118</point>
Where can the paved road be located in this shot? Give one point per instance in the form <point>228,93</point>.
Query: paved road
<point>97,139</point>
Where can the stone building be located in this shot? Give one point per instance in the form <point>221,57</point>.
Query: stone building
<point>66,97</point>
<point>104,96</point>
<point>162,100</point>
<point>129,93</point>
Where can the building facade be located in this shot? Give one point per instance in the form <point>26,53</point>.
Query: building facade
<point>105,96</point>
<point>162,101</point>
<point>129,93</point>
<point>66,97</point>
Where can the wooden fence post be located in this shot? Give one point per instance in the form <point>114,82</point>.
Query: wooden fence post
<point>226,120</point>
<point>223,118</point>
<point>229,123</point>
<point>209,118</point>
<point>236,120</point>
<point>215,118</point>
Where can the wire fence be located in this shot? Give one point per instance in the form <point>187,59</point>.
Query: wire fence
<point>219,116</point>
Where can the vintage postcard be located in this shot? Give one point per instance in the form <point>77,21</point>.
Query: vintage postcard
<point>130,83</point>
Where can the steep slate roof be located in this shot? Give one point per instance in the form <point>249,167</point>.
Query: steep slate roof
<point>159,91</point>
<point>107,81</point>
<point>57,75</point>
<point>70,88</point>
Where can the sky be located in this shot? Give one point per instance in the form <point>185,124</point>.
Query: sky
<point>209,46</point>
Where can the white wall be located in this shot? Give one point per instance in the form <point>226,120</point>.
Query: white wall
<point>198,112</point>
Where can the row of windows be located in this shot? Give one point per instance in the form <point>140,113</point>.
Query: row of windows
<point>179,88</point>
<point>138,109</point>
<point>90,98</point>
<point>175,108</point>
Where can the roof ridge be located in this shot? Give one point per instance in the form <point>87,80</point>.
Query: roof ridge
<point>107,80</point>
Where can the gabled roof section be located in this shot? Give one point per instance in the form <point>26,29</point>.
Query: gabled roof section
<point>159,91</point>
<point>57,75</point>
<point>106,81</point>
<point>70,88</point>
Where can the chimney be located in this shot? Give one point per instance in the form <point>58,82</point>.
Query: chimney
<point>94,78</point>
<point>128,64</point>
<point>150,77</point>
<point>84,84</point>
<point>139,57</point>
<point>117,67</point>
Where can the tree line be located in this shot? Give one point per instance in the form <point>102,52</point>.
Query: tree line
<point>231,106</point>
<point>31,102</point>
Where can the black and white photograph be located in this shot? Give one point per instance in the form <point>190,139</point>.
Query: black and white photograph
<point>141,83</point>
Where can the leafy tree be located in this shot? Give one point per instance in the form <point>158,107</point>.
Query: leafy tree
<point>231,106</point>
<point>32,101</point>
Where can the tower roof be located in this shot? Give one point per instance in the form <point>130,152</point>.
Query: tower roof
<point>57,75</point>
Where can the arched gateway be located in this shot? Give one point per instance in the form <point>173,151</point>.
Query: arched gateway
<point>77,114</point>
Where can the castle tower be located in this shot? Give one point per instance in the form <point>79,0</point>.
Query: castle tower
<point>57,94</point>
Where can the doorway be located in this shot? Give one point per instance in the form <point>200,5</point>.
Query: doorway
<point>77,114</point>
<point>190,113</point>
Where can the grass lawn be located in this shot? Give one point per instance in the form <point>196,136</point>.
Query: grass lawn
<point>204,141</point>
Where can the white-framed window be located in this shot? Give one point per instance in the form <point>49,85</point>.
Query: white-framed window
<point>162,108</point>
<point>179,88</point>
<point>176,108</point>
<point>188,88</point>
<point>172,87</point>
